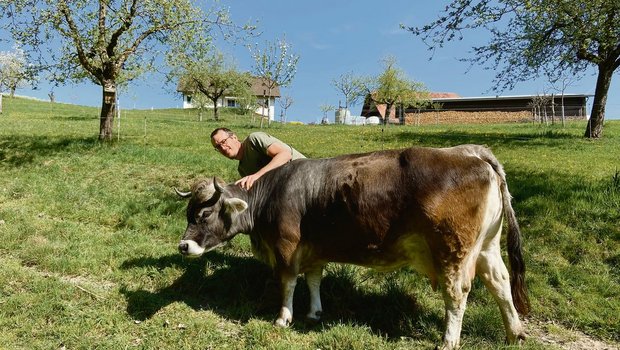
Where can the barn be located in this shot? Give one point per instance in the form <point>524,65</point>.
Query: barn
<point>450,108</point>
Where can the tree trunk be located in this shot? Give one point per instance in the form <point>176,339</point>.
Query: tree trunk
<point>594,129</point>
<point>108,110</point>
<point>563,115</point>
<point>388,111</point>
<point>552,109</point>
<point>216,111</point>
<point>269,107</point>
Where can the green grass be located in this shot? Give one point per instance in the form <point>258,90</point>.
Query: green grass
<point>89,234</point>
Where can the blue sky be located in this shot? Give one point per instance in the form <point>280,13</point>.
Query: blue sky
<point>336,37</point>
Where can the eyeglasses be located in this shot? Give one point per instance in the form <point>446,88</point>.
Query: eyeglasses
<point>218,145</point>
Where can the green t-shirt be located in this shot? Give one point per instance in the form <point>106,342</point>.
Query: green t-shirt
<point>255,152</point>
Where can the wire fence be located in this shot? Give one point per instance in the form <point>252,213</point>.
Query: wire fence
<point>149,125</point>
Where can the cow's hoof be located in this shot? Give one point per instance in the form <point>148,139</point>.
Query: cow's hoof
<point>314,317</point>
<point>282,323</point>
<point>519,339</point>
<point>448,346</point>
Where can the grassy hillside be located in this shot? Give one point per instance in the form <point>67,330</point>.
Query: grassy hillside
<point>89,234</point>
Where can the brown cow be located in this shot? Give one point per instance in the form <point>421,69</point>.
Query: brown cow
<point>439,211</point>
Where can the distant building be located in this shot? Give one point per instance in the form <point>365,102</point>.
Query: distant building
<point>450,108</point>
<point>258,88</point>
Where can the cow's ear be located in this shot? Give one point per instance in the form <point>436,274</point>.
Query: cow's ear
<point>235,205</point>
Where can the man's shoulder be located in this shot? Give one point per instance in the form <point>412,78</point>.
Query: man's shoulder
<point>259,135</point>
<point>261,138</point>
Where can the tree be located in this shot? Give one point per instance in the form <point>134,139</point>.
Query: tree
<point>213,78</point>
<point>14,71</point>
<point>533,36</point>
<point>325,108</point>
<point>248,102</point>
<point>275,65</point>
<point>560,85</point>
<point>285,102</point>
<point>392,88</point>
<point>200,102</point>
<point>351,87</point>
<point>109,42</point>
<point>539,105</point>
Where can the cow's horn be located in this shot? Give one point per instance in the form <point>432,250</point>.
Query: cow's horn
<point>182,194</point>
<point>218,187</point>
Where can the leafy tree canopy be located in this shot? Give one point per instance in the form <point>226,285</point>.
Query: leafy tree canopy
<point>214,78</point>
<point>392,87</point>
<point>534,38</point>
<point>109,42</point>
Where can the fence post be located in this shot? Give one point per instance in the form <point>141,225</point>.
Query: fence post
<point>144,141</point>
<point>118,116</point>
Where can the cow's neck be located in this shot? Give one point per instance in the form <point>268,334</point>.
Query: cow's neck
<point>256,198</point>
<point>243,222</point>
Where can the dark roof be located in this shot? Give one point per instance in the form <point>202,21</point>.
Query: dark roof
<point>573,103</point>
<point>497,97</point>
<point>258,88</point>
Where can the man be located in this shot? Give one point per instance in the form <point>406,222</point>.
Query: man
<point>257,154</point>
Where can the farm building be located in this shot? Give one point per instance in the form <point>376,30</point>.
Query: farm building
<point>258,88</point>
<point>448,108</point>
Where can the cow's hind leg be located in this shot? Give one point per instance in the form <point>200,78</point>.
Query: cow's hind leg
<point>455,291</point>
<point>288,283</point>
<point>313,279</point>
<point>492,271</point>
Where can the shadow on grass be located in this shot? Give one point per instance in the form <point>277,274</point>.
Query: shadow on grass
<point>19,151</point>
<point>242,288</point>
<point>223,283</point>
<point>85,117</point>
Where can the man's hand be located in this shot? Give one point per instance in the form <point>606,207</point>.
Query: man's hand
<point>247,182</point>
<point>279,154</point>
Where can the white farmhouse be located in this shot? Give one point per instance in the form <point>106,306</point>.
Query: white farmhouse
<point>259,89</point>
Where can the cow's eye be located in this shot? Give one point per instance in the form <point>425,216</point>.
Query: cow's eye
<point>204,214</point>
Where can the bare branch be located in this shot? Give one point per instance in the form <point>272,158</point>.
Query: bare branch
<point>74,35</point>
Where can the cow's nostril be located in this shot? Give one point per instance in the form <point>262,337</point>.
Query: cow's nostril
<point>183,246</point>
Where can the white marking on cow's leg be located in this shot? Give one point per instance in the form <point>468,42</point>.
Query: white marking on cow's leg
<point>493,273</point>
<point>313,279</point>
<point>286,311</point>
<point>455,299</point>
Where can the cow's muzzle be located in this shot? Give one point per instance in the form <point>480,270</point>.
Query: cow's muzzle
<point>189,247</point>
<point>183,247</point>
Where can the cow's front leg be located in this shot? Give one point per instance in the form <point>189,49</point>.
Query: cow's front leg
<point>313,279</point>
<point>288,283</point>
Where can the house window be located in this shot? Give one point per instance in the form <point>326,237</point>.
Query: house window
<point>232,103</point>
<point>188,98</point>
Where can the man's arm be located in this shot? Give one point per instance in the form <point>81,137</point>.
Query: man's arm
<point>280,154</point>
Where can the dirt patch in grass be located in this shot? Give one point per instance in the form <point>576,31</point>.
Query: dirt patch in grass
<point>558,337</point>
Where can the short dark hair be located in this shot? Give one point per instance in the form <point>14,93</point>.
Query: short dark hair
<point>226,130</point>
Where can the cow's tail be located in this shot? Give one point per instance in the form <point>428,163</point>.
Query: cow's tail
<point>515,255</point>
